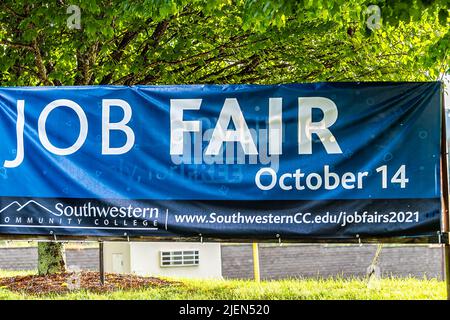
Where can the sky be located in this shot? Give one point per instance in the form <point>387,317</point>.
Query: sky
<point>447,92</point>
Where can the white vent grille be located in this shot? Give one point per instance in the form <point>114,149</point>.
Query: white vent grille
<point>179,258</point>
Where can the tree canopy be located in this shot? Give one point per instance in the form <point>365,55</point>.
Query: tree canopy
<point>221,41</point>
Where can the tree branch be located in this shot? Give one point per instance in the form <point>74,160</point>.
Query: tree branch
<point>17,45</point>
<point>42,71</point>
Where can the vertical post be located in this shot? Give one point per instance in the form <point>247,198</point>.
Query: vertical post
<point>101,263</point>
<point>256,262</point>
<point>447,268</point>
<point>445,196</point>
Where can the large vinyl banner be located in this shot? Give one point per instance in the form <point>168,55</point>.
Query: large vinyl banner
<point>296,161</point>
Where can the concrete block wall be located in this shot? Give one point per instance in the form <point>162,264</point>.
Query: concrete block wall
<point>292,261</point>
<point>18,258</point>
<point>287,261</point>
<point>26,258</point>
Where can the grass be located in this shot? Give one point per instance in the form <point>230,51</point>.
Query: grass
<point>291,289</point>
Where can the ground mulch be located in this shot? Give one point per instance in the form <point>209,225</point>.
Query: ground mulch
<point>62,283</point>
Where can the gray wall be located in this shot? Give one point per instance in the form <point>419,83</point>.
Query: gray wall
<point>278,262</point>
<point>331,260</point>
<point>26,258</point>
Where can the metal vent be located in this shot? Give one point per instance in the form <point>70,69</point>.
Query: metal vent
<point>179,258</point>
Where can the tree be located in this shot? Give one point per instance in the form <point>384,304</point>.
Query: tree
<point>51,257</point>
<point>220,41</point>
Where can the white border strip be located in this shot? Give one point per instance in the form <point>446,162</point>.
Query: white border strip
<point>167,217</point>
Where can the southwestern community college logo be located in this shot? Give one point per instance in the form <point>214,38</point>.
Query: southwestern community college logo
<point>52,214</point>
<point>32,205</point>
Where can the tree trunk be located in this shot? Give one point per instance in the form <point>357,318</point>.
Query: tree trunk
<point>51,258</point>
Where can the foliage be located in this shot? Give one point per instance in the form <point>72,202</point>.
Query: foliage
<point>221,41</point>
<point>292,289</point>
<point>52,258</point>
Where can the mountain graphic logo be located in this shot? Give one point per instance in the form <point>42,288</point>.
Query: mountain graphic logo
<point>16,207</point>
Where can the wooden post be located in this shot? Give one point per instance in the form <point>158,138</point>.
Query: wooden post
<point>445,196</point>
<point>101,263</point>
<point>447,268</point>
<point>256,262</point>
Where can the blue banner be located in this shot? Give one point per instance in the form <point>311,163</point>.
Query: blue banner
<point>296,161</point>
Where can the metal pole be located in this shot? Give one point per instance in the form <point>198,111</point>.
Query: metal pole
<point>445,197</point>
<point>101,263</point>
<point>256,262</point>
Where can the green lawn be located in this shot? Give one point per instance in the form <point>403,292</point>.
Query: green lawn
<point>283,289</point>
